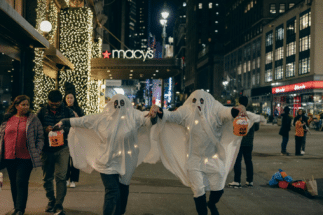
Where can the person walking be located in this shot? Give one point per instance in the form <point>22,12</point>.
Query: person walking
<point>284,130</point>
<point>301,114</point>
<point>22,140</point>
<point>70,101</point>
<point>55,159</point>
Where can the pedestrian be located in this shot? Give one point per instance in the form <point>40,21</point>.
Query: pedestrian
<point>284,130</point>
<point>245,151</point>
<point>70,101</point>
<point>22,140</point>
<point>110,143</point>
<point>199,145</point>
<point>55,159</point>
<point>300,122</point>
<point>301,114</point>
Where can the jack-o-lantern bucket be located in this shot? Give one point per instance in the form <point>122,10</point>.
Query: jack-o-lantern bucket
<point>240,126</point>
<point>56,138</point>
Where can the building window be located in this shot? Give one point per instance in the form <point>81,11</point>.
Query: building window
<point>258,62</point>
<point>304,66</point>
<point>200,5</point>
<point>269,39</point>
<point>282,8</point>
<point>279,53</point>
<point>269,57</point>
<point>210,5</point>
<point>291,28</point>
<point>305,21</point>
<point>258,78</point>
<point>268,75</point>
<point>245,67</point>
<point>291,5</point>
<point>249,65</point>
<point>239,69</point>
<point>272,8</point>
<point>254,64</point>
<point>290,70</point>
<point>253,79</point>
<point>280,33</point>
<point>279,73</point>
<point>290,49</point>
<point>304,43</point>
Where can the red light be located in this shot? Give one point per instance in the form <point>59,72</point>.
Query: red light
<point>299,86</point>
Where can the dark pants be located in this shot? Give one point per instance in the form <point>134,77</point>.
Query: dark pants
<point>19,173</point>
<point>55,165</point>
<point>284,144</point>
<point>246,151</point>
<point>303,142</point>
<point>298,145</point>
<point>73,174</point>
<point>201,205</point>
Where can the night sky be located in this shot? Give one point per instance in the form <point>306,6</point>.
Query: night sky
<point>157,7</point>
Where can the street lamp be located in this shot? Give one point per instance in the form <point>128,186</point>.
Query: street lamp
<point>163,22</point>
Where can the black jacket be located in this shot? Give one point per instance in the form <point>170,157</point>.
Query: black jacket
<point>286,124</point>
<point>248,139</point>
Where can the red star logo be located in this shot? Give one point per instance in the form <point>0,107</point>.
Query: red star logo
<point>106,54</point>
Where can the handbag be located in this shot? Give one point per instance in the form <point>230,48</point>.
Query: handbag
<point>311,186</point>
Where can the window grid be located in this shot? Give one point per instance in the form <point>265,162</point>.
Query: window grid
<point>304,43</point>
<point>291,49</point>
<point>290,70</point>
<point>304,66</point>
<point>305,21</point>
<point>279,53</point>
<point>282,8</point>
<point>272,8</point>
<point>279,73</point>
<point>269,39</point>
<point>269,57</point>
<point>280,33</point>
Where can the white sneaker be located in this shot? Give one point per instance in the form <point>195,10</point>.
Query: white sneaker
<point>67,183</point>
<point>303,152</point>
<point>235,184</point>
<point>249,184</point>
<point>72,184</point>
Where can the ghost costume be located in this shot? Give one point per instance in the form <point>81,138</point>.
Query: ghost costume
<point>197,144</point>
<point>113,142</point>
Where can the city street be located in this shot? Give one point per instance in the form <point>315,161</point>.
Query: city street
<point>155,191</point>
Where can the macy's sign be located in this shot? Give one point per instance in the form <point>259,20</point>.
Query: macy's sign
<point>130,54</point>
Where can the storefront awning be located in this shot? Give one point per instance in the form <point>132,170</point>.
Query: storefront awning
<point>15,28</point>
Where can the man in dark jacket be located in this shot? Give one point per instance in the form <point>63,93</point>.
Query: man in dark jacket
<point>284,130</point>
<point>54,159</point>
<point>246,151</point>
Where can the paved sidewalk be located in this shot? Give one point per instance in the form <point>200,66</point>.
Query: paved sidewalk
<point>155,191</point>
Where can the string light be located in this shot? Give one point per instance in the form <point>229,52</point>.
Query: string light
<point>76,44</point>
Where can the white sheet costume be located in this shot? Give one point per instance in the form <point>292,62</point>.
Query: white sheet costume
<point>112,142</point>
<point>197,144</point>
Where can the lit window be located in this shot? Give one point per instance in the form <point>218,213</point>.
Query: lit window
<point>251,4</point>
<point>269,57</point>
<point>291,49</point>
<point>200,5</point>
<point>268,75</point>
<point>279,73</point>
<point>282,8</point>
<point>280,33</point>
<point>291,5</point>
<point>290,70</point>
<point>272,8</point>
<point>305,21</point>
<point>210,5</point>
<point>279,54</point>
<point>304,66</point>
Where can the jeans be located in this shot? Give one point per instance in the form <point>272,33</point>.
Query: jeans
<point>19,173</point>
<point>111,204</point>
<point>246,151</point>
<point>55,165</point>
<point>284,144</point>
<point>298,145</point>
<point>73,174</point>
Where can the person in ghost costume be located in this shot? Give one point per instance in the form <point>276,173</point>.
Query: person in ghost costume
<point>197,144</point>
<point>113,143</point>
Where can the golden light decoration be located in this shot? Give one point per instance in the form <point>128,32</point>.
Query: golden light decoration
<point>42,83</point>
<point>40,13</point>
<point>76,29</point>
<point>52,18</point>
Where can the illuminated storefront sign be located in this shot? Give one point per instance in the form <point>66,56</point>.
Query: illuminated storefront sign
<point>300,86</point>
<point>129,54</point>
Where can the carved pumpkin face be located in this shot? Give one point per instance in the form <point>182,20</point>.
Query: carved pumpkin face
<point>243,131</point>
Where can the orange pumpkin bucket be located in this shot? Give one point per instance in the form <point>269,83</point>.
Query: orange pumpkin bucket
<point>240,126</point>
<point>56,138</point>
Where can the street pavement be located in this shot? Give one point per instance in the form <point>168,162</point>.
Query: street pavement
<point>155,191</point>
